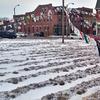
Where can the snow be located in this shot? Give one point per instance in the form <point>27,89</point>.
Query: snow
<point>37,94</point>
<point>38,79</point>
<point>47,59</point>
<point>89,92</point>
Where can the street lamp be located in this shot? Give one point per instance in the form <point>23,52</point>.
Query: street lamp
<point>69,4</point>
<point>15,24</point>
<point>15,8</point>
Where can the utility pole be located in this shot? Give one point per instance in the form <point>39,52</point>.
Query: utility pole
<point>63,21</point>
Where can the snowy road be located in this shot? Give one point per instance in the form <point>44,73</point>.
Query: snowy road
<point>35,68</point>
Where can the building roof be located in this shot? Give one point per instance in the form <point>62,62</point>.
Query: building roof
<point>42,8</point>
<point>21,15</point>
<point>97,4</point>
<point>89,10</point>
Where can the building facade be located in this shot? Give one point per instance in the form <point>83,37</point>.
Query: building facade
<point>87,15</point>
<point>45,18</point>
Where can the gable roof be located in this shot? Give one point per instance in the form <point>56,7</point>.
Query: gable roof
<point>97,4</point>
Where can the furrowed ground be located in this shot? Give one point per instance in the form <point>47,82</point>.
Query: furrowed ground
<point>47,69</point>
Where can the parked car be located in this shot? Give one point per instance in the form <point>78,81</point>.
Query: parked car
<point>74,36</point>
<point>8,34</point>
<point>20,34</point>
<point>39,34</point>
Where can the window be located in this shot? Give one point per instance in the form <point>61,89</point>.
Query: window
<point>33,29</point>
<point>36,29</point>
<point>40,28</point>
<point>74,34</point>
<point>48,28</point>
<point>28,29</point>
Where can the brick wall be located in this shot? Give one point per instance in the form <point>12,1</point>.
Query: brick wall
<point>45,18</point>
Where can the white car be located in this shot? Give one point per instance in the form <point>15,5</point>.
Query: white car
<point>20,34</point>
<point>74,36</point>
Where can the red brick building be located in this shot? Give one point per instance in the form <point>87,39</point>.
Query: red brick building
<point>89,20</point>
<point>98,17</point>
<point>87,14</point>
<point>45,18</point>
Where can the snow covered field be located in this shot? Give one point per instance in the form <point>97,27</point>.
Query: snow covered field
<point>44,68</point>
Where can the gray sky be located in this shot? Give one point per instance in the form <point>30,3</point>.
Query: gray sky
<point>7,6</point>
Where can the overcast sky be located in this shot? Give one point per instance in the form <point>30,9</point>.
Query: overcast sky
<point>7,6</point>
